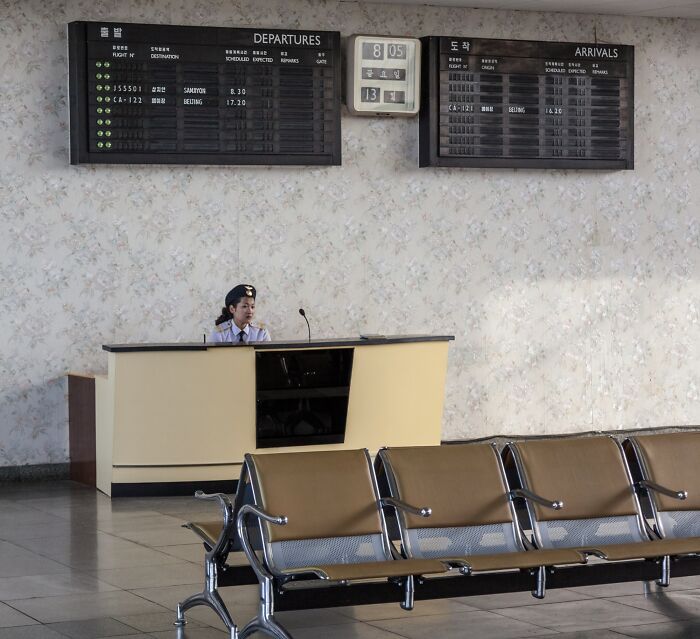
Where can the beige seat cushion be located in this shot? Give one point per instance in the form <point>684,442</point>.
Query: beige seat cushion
<point>518,560</point>
<point>477,563</point>
<point>648,549</point>
<point>208,531</point>
<point>375,569</point>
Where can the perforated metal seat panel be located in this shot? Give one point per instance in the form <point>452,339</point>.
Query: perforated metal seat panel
<point>577,533</point>
<point>520,560</point>
<point>649,549</point>
<point>436,543</point>
<point>289,555</point>
<point>346,558</point>
<point>680,523</point>
<point>375,569</point>
<point>484,548</point>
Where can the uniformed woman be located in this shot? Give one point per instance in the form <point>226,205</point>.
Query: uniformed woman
<point>234,323</point>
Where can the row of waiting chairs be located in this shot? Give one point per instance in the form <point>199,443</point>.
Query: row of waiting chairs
<point>420,513</point>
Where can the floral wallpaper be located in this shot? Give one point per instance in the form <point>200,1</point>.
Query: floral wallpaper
<point>574,296</point>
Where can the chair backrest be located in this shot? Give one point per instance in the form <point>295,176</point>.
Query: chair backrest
<point>671,460</point>
<point>589,474</point>
<point>464,486</point>
<point>330,501</point>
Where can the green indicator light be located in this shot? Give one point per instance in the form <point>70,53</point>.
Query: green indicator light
<point>108,133</point>
<point>99,122</point>
<point>108,111</point>
<point>99,98</point>
<point>100,134</point>
<point>106,76</point>
<point>106,65</point>
<point>108,145</point>
<point>108,99</point>
<point>98,64</point>
<point>100,145</point>
<point>99,87</point>
<point>108,122</point>
<point>99,109</point>
<point>107,87</point>
<point>98,76</point>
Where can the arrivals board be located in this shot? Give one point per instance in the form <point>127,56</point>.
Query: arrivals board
<point>513,103</point>
<point>161,94</point>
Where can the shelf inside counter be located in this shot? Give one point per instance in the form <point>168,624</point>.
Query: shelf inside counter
<point>295,393</point>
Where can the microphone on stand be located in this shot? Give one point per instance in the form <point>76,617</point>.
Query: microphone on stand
<point>303,314</point>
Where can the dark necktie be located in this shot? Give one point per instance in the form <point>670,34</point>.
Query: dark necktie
<point>240,336</point>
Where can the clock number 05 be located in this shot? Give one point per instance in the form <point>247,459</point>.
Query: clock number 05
<point>396,51</point>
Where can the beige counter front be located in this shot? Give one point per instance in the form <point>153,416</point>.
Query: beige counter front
<point>188,416</point>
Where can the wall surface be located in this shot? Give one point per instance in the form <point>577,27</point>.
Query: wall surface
<point>574,296</point>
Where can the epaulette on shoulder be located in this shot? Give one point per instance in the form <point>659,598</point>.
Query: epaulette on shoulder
<point>224,326</point>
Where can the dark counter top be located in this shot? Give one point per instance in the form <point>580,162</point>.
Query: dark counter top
<point>315,343</point>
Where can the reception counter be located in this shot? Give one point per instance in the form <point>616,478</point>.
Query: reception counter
<point>171,418</point>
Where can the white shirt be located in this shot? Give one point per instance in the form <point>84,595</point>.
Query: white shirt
<point>229,332</point>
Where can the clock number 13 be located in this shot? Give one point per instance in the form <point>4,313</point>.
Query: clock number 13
<point>370,94</point>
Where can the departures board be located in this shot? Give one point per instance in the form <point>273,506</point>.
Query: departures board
<point>513,103</point>
<point>159,94</point>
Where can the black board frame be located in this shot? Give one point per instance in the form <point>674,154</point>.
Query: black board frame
<point>79,124</point>
<point>429,122</point>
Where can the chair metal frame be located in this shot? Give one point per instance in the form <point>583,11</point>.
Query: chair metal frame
<point>273,581</point>
<point>216,555</point>
<point>214,562</point>
<point>649,487</point>
<point>530,497</point>
<point>643,527</point>
<point>236,535</point>
<point>519,537</point>
<point>383,459</point>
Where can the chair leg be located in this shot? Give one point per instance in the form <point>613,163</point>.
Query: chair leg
<point>271,628</point>
<point>208,597</point>
<point>541,583</point>
<point>665,572</point>
<point>408,593</point>
<point>265,620</point>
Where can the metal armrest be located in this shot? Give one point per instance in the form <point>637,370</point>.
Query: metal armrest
<point>227,513</point>
<point>255,563</point>
<point>249,509</point>
<point>401,505</point>
<point>650,485</point>
<point>530,496</point>
<point>224,501</point>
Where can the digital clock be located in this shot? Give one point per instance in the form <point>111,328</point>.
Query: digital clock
<point>383,75</point>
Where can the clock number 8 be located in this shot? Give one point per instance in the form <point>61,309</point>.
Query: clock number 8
<point>373,51</point>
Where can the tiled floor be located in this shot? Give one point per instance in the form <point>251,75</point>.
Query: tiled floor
<point>75,564</point>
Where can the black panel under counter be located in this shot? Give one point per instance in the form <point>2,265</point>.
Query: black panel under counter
<point>289,344</point>
<point>302,396</point>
